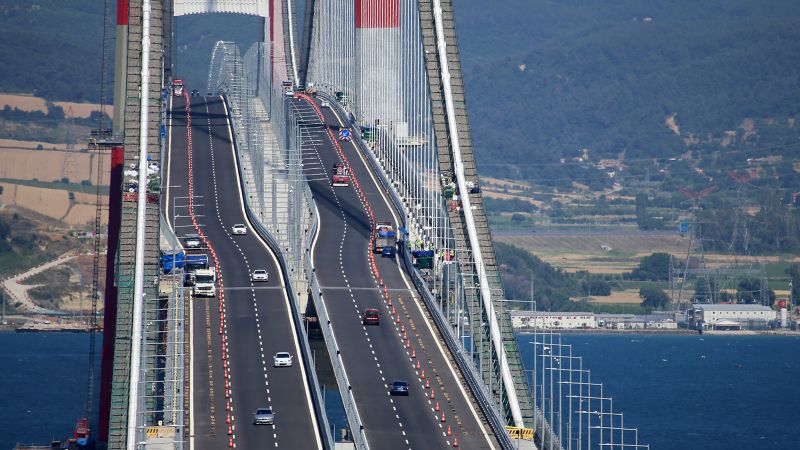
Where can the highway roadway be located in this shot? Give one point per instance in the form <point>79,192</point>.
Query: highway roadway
<point>257,316</point>
<point>374,356</point>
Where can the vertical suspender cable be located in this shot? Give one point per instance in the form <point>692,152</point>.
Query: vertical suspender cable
<point>485,289</point>
<point>138,289</point>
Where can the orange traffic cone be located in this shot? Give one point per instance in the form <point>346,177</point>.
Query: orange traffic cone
<point>455,442</point>
<point>436,408</point>
<point>423,374</point>
<point>445,420</point>
<point>432,394</point>
<point>449,431</point>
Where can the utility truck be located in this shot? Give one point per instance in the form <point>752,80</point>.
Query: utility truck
<point>385,237</point>
<point>340,177</point>
<point>177,88</point>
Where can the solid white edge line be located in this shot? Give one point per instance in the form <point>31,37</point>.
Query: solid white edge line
<point>191,312</point>
<point>467,398</point>
<point>277,265</point>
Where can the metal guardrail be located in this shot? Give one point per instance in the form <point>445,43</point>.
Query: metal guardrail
<point>485,401</point>
<point>308,360</point>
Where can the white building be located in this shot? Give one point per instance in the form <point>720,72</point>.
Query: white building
<point>552,320</point>
<point>729,315</point>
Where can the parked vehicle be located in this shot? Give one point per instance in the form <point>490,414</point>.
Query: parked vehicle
<point>205,283</point>
<point>177,88</point>
<point>192,240</point>
<point>341,176</point>
<point>385,236</point>
<point>194,262</point>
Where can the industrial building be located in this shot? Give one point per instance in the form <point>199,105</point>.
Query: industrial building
<point>730,316</point>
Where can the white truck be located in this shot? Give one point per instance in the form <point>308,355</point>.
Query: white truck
<point>177,88</point>
<point>205,284</point>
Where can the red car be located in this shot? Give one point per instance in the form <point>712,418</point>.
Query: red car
<point>371,317</point>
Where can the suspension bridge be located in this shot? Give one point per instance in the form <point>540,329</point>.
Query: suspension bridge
<point>373,90</point>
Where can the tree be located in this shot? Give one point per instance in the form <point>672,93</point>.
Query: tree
<point>652,268</point>
<point>596,287</point>
<point>653,297</point>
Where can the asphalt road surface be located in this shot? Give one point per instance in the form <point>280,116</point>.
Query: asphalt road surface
<point>375,355</point>
<point>257,315</point>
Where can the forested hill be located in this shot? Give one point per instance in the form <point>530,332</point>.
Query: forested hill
<point>52,48</point>
<point>547,78</point>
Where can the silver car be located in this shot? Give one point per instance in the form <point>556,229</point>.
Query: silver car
<point>260,275</point>
<point>192,241</point>
<point>282,359</point>
<point>264,416</point>
<point>239,228</point>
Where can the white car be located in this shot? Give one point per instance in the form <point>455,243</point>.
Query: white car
<point>239,229</point>
<point>282,359</point>
<point>324,104</point>
<point>259,275</point>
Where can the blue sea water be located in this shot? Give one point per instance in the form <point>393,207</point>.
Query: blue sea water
<point>698,391</point>
<point>42,385</point>
<point>682,392</point>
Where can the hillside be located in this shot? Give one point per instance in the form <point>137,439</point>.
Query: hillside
<point>639,79</point>
<point>52,48</point>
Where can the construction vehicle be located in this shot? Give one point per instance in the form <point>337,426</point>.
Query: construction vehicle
<point>177,88</point>
<point>205,283</point>
<point>195,261</point>
<point>385,236</point>
<point>341,176</point>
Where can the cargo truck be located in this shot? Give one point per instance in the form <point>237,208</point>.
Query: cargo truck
<point>205,283</point>
<point>385,236</point>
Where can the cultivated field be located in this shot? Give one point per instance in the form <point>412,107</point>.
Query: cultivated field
<point>614,253</point>
<point>596,253</point>
<point>30,103</point>
<point>48,165</point>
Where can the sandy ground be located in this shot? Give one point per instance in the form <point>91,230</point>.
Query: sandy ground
<point>30,103</point>
<point>19,292</point>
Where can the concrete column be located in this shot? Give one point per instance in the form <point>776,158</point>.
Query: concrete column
<point>378,60</point>
<point>120,67</point>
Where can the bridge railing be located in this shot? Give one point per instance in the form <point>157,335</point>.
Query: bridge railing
<point>462,359</point>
